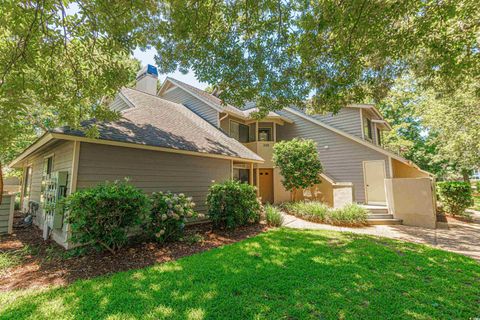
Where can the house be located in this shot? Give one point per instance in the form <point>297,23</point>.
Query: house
<point>183,139</point>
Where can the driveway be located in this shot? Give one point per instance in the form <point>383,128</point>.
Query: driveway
<point>459,237</point>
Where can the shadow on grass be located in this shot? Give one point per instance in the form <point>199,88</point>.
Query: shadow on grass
<point>283,273</point>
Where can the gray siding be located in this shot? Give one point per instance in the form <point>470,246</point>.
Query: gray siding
<point>342,160</point>
<point>62,161</point>
<point>5,212</point>
<point>347,119</point>
<point>151,170</point>
<point>199,107</point>
<point>119,104</point>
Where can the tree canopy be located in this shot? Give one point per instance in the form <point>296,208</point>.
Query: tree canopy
<point>61,61</point>
<point>332,52</point>
<point>439,132</point>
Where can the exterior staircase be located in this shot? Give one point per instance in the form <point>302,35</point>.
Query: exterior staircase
<point>379,215</point>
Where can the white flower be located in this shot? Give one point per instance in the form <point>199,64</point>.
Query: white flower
<point>164,217</point>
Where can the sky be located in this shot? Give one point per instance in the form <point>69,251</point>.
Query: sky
<point>147,58</point>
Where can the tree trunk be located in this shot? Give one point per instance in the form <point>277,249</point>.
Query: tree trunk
<point>466,176</point>
<point>1,183</point>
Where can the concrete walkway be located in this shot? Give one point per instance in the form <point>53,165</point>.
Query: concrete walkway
<point>459,237</point>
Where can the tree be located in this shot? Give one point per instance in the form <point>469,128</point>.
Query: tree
<point>298,162</point>
<point>280,53</point>
<point>453,122</point>
<point>409,137</point>
<point>440,133</point>
<point>60,68</point>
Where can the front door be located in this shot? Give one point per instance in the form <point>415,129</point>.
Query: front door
<point>374,174</point>
<point>266,184</point>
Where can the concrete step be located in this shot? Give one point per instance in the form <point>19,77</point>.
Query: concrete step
<point>376,209</point>
<point>384,221</point>
<point>380,216</point>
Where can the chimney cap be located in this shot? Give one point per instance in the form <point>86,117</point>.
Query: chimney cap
<point>148,69</point>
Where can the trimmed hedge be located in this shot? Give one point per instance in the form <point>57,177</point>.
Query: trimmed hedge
<point>232,204</point>
<point>455,196</point>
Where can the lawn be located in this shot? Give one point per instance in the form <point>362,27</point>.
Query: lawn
<point>280,274</point>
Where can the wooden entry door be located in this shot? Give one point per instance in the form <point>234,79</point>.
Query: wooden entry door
<point>374,175</point>
<point>266,184</point>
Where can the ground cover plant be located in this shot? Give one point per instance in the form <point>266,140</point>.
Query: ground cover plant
<point>297,275</point>
<point>315,211</point>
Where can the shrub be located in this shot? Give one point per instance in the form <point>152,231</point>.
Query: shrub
<point>232,204</point>
<point>168,215</point>
<point>273,216</point>
<point>349,215</point>
<point>478,187</point>
<point>298,162</point>
<point>455,196</point>
<point>103,215</point>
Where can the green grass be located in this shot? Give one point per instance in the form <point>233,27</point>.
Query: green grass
<point>280,274</point>
<point>11,259</point>
<point>315,211</point>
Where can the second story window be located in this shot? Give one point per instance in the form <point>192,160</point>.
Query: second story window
<point>367,129</point>
<point>239,131</point>
<point>265,134</point>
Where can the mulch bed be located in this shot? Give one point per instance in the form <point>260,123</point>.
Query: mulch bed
<point>48,264</point>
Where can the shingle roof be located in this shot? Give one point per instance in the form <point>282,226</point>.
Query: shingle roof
<point>154,121</point>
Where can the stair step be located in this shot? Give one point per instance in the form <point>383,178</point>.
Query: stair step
<point>384,221</point>
<point>376,209</point>
<point>380,216</point>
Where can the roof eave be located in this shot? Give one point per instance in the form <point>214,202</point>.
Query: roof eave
<point>41,141</point>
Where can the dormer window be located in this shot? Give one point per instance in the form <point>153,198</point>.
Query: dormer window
<point>367,129</point>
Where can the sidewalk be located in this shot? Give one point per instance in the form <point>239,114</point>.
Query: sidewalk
<point>460,237</point>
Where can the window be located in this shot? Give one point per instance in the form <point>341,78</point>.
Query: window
<point>239,131</point>
<point>379,137</point>
<point>241,175</point>
<point>367,129</point>
<point>265,134</point>
<point>47,166</point>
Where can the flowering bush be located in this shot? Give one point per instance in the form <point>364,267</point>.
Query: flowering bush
<point>168,215</point>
